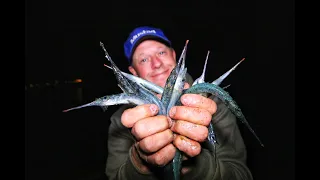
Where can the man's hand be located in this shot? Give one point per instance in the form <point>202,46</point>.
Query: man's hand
<point>191,121</point>
<point>154,133</point>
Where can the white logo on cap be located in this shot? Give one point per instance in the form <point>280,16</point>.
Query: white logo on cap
<point>140,33</point>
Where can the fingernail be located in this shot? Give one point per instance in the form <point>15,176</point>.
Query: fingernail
<point>173,111</point>
<point>153,108</point>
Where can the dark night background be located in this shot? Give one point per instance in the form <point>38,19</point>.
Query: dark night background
<point>62,44</point>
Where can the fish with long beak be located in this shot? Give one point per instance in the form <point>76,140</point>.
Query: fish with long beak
<point>171,93</point>
<point>133,93</point>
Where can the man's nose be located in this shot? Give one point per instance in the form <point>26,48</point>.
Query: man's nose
<point>156,62</point>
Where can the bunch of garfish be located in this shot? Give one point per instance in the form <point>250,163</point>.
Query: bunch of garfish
<point>207,89</point>
<point>138,91</point>
<point>135,93</point>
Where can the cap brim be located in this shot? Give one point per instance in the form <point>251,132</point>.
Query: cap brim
<point>148,37</point>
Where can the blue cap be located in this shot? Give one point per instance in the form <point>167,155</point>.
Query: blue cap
<point>140,34</point>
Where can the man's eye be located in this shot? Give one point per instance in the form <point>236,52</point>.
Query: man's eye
<point>144,60</point>
<point>161,53</point>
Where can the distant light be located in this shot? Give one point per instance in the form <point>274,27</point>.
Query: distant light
<point>78,81</point>
<point>56,82</point>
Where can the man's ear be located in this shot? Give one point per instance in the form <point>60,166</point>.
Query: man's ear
<point>132,70</point>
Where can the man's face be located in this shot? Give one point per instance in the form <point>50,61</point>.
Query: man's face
<point>153,61</point>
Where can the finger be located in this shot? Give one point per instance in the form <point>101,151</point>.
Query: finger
<point>193,115</point>
<point>186,145</point>
<point>157,141</point>
<point>161,157</point>
<point>193,131</point>
<point>196,100</point>
<point>130,116</point>
<point>149,126</point>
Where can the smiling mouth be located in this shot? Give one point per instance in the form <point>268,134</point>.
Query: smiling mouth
<point>159,74</point>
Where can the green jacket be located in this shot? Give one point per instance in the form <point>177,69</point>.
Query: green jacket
<point>229,164</point>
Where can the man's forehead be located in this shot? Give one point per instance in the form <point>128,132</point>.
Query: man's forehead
<point>144,48</point>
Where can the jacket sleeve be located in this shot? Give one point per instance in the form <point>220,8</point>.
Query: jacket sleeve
<point>228,159</point>
<point>119,161</point>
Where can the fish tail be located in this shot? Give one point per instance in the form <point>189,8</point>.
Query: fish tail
<point>172,170</point>
<point>243,119</point>
<point>177,161</point>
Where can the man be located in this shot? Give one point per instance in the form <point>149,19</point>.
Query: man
<point>140,140</point>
